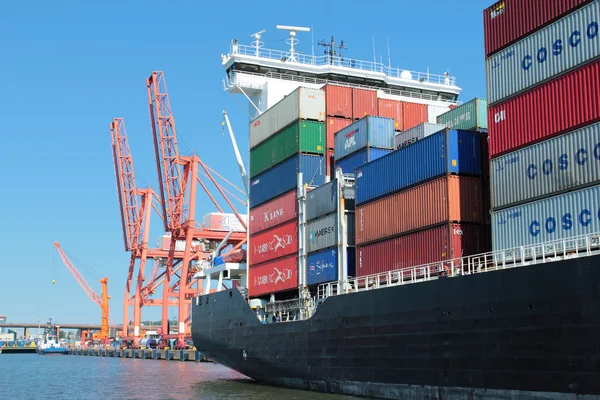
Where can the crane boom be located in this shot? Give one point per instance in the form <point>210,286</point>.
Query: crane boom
<point>126,187</point>
<point>238,157</point>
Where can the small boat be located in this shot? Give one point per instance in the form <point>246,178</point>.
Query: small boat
<point>50,343</point>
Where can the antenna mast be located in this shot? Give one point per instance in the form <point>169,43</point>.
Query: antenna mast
<point>257,43</point>
<point>292,41</point>
<point>330,51</point>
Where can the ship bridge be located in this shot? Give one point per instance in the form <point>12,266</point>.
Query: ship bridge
<point>265,76</point>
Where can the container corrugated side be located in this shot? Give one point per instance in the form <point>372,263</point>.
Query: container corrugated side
<point>335,125</point>
<point>277,211</point>
<point>369,131</point>
<point>558,217</point>
<point>276,242</point>
<point>338,101</point>
<point>322,232</point>
<point>413,114</point>
<point>322,200</point>
<point>561,105</point>
<point>454,152</point>
<point>433,112</point>
<point>509,20</point>
<point>224,222</point>
<point>361,157</point>
<point>273,277</point>
<point>302,103</point>
<point>418,132</point>
<point>391,109</point>
<point>322,266</point>
<point>470,116</point>
<point>283,177</point>
<point>427,246</point>
<point>364,102</point>
<point>447,199</point>
<point>300,137</point>
<point>559,164</point>
<point>553,50</point>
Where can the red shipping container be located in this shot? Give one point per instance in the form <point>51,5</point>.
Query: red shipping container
<point>338,101</point>
<point>334,125</point>
<point>510,20</point>
<point>413,115</point>
<point>447,199</point>
<point>364,102</point>
<point>277,211</point>
<point>391,109</point>
<point>440,243</point>
<point>273,243</point>
<point>274,276</point>
<point>561,105</point>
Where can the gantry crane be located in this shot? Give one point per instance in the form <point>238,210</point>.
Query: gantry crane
<point>102,301</point>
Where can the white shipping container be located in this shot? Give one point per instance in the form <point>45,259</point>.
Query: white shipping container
<point>562,163</point>
<point>322,232</point>
<point>559,217</point>
<point>435,111</point>
<point>559,47</point>
<point>418,132</point>
<point>302,103</point>
<point>224,222</point>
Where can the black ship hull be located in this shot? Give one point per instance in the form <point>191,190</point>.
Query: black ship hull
<point>525,332</point>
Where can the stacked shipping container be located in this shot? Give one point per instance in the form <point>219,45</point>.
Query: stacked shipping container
<point>543,82</point>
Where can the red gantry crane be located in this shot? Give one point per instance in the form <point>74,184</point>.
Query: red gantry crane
<point>102,301</point>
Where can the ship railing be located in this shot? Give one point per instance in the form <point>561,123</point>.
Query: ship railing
<point>370,66</point>
<point>557,250</point>
<point>231,82</point>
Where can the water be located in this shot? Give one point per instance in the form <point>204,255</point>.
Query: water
<point>31,376</point>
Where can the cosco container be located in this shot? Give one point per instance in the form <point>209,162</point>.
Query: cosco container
<point>283,177</point>
<point>418,132</point>
<point>338,101</point>
<point>322,266</point>
<point>447,199</point>
<point>553,50</point>
<point>433,112</point>
<point>364,102</point>
<point>413,114</point>
<point>392,109</point>
<point>272,213</point>
<point>435,244</point>
<point>273,277</point>
<point>322,200</point>
<point>470,116</point>
<point>446,152</point>
<point>273,243</point>
<point>361,157</point>
<point>509,20</point>
<point>302,103</point>
<point>366,132</point>
<point>559,164</point>
<point>322,232</point>
<point>558,106</point>
<point>300,137</point>
<point>559,217</point>
<point>335,125</point>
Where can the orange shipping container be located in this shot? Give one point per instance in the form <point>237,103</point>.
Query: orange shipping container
<point>334,125</point>
<point>391,109</point>
<point>338,101</point>
<point>414,114</point>
<point>364,102</point>
<point>448,199</point>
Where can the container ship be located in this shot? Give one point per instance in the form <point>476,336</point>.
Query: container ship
<point>405,244</point>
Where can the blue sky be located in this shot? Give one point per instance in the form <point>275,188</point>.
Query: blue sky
<point>69,67</point>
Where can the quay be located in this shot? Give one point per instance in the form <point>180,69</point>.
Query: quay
<point>146,354</point>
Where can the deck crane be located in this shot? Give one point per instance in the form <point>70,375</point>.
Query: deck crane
<point>101,301</point>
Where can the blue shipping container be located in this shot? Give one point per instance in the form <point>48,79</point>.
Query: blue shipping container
<point>322,267</point>
<point>360,158</point>
<point>283,177</point>
<point>366,132</point>
<point>445,152</point>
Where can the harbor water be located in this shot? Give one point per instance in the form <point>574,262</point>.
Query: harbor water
<point>30,376</point>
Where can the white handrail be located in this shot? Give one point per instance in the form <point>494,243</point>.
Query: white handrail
<point>579,246</point>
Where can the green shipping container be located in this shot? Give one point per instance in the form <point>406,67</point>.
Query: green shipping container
<point>299,137</point>
<point>471,116</point>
